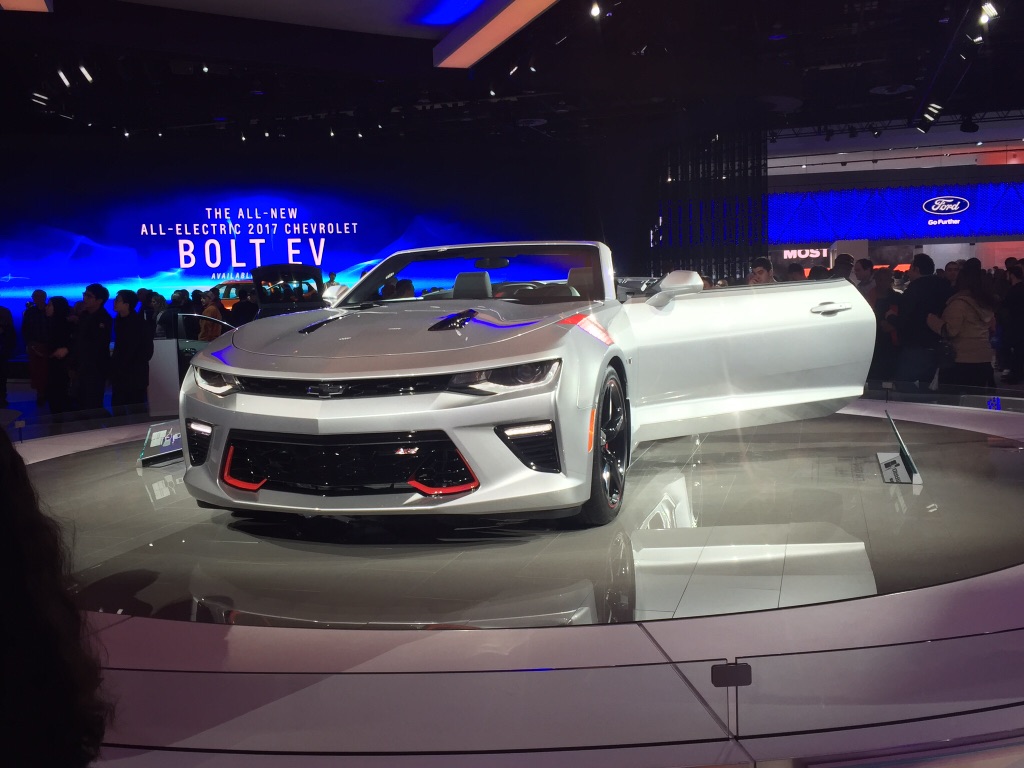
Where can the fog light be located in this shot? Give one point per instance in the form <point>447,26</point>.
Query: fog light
<point>536,444</point>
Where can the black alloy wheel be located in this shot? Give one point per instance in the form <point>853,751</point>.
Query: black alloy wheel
<point>611,452</point>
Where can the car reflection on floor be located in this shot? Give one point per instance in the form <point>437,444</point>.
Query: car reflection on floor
<point>762,519</point>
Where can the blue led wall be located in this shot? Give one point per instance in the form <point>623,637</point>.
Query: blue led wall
<point>167,219</point>
<point>925,213</point>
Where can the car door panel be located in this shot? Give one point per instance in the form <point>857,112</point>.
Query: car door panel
<point>735,357</point>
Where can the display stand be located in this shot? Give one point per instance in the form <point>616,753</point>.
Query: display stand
<point>163,444</point>
<point>898,467</point>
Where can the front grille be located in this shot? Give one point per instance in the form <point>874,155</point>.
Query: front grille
<point>537,451</point>
<point>350,388</point>
<point>198,445</point>
<point>346,465</point>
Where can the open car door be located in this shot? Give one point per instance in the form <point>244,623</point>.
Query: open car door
<point>746,355</point>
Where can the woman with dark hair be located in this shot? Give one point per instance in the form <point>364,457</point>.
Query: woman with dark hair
<point>966,322</point>
<point>53,713</point>
<point>58,340</point>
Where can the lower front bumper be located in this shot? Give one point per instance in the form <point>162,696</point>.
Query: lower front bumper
<point>501,483</point>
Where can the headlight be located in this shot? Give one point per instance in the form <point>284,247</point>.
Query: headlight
<point>217,383</point>
<point>509,379</point>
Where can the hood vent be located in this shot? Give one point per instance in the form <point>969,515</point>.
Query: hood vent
<point>454,322</point>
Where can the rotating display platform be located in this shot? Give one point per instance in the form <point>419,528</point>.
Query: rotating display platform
<point>766,597</point>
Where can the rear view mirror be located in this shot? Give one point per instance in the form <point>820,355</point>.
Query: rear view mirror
<point>491,262</point>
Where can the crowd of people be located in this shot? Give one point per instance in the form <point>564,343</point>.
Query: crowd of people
<point>946,328</point>
<point>75,350</point>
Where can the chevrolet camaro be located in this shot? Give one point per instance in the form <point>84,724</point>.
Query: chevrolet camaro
<point>503,378</point>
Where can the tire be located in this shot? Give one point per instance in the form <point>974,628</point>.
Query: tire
<point>611,454</point>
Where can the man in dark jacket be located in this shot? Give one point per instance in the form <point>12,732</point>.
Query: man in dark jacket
<point>129,362</point>
<point>244,311</point>
<point>92,345</point>
<point>7,344</point>
<point>1012,319</point>
<point>926,294</point>
<point>33,331</point>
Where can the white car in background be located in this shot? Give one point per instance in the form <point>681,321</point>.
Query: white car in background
<point>506,377</point>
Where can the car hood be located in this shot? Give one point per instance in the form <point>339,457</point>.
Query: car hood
<point>395,329</point>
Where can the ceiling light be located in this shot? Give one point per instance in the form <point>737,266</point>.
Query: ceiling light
<point>533,69</point>
<point>930,118</point>
<point>595,10</point>
<point>205,69</point>
<point>159,134</point>
<point>85,73</point>
<point>360,135</point>
<point>40,96</point>
<point>989,10</point>
<point>332,133</point>
<point>126,134</point>
<point>63,78</point>
<point>243,137</point>
<point>513,70</point>
<point>980,143</point>
<point>876,132</point>
<point>492,92</point>
<point>923,128</point>
<point>266,134</point>
<point>38,101</point>
<point>976,40</point>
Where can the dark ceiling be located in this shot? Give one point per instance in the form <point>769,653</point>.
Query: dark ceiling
<point>830,65</point>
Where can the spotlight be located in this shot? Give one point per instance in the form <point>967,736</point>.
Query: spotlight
<point>243,137</point>
<point>595,10</point>
<point>492,92</point>
<point>968,125</point>
<point>85,73</point>
<point>126,134</point>
<point>977,39</point>
<point>63,78</point>
<point>205,69</point>
<point>266,134</point>
<point>332,133</point>
<point>989,10</point>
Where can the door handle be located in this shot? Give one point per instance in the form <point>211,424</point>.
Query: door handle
<point>830,308</point>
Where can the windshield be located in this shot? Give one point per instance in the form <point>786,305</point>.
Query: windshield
<point>529,274</point>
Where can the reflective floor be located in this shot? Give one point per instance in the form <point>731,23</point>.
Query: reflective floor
<point>737,521</point>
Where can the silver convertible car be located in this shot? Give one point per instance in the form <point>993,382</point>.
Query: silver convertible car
<point>506,377</point>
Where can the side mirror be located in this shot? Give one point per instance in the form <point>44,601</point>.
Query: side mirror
<point>678,283</point>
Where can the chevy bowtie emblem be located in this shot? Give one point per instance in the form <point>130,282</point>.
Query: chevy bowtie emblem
<point>326,389</point>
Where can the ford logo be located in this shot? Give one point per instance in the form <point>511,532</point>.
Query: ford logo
<point>946,204</point>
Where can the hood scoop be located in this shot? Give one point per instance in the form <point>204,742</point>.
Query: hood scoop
<point>454,322</point>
